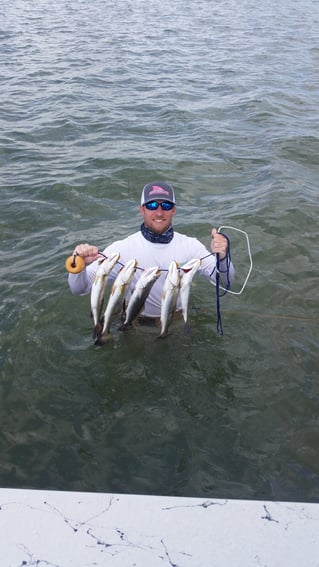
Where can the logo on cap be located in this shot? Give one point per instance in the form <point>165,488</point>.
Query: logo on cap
<point>157,190</point>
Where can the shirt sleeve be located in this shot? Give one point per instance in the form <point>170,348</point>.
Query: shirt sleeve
<point>80,284</point>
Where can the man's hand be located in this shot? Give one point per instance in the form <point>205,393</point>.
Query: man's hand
<point>219,244</point>
<point>88,252</point>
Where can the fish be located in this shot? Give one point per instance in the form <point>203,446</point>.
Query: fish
<point>169,297</point>
<point>188,271</point>
<point>119,287</point>
<point>142,289</point>
<point>98,290</point>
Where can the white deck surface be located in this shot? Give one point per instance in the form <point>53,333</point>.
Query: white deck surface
<point>62,529</point>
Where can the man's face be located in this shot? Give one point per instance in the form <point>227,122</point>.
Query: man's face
<point>158,220</point>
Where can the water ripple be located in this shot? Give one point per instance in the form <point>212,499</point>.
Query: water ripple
<point>96,99</point>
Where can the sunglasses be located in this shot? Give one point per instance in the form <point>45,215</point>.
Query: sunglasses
<point>153,205</point>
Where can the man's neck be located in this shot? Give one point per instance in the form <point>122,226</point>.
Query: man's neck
<point>163,238</point>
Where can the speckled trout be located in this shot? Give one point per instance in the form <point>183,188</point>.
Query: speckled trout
<point>169,297</point>
<point>118,290</point>
<point>136,302</point>
<point>98,290</point>
<point>188,271</point>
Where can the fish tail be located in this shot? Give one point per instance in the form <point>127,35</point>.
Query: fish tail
<point>125,327</point>
<point>123,311</point>
<point>97,329</point>
<point>103,338</point>
<point>162,335</point>
<point>187,329</point>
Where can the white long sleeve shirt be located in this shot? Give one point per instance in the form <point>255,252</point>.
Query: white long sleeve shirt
<point>182,248</point>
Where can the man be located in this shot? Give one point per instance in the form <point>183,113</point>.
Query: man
<point>155,244</point>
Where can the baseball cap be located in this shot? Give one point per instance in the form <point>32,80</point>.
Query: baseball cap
<point>157,190</point>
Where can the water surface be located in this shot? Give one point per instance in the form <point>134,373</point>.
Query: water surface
<point>220,99</point>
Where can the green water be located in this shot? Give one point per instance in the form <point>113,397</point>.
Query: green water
<point>96,100</point>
